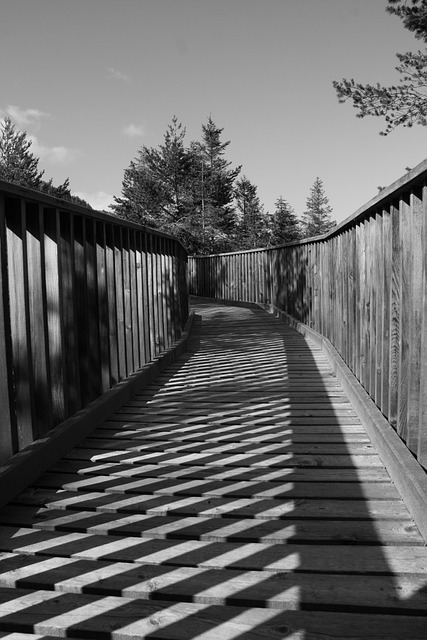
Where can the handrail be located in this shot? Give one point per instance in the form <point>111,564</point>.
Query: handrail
<point>86,300</point>
<point>363,286</point>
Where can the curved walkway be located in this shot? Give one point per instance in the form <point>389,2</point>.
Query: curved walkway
<point>237,497</point>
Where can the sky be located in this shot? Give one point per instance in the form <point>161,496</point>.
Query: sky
<point>92,81</point>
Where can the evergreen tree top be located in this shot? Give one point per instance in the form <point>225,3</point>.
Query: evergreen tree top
<point>17,163</point>
<point>316,219</point>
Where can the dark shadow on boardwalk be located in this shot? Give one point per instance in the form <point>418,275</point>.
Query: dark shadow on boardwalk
<point>241,501</point>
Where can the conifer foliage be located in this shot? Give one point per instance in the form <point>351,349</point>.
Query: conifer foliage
<point>217,180</point>
<point>316,219</point>
<point>253,229</point>
<point>194,192</point>
<point>20,166</point>
<point>187,191</point>
<point>285,226</point>
<point>17,163</point>
<point>154,190</point>
<point>404,104</point>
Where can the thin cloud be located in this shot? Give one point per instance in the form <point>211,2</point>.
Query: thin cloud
<point>133,131</point>
<point>59,154</point>
<point>99,200</point>
<point>116,74</point>
<point>24,117</point>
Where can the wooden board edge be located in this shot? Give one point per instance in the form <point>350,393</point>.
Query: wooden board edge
<point>23,468</point>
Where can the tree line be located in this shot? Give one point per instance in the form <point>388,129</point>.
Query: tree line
<point>190,191</point>
<point>194,192</point>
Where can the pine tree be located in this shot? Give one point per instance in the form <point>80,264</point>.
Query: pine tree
<point>404,104</point>
<point>17,163</point>
<point>156,188</point>
<point>173,164</point>
<point>218,180</point>
<point>140,200</point>
<point>317,217</point>
<point>285,224</point>
<point>185,191</point>
<point>253,228</point>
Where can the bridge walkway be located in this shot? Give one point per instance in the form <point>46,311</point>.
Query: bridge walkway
<point>238,496</point>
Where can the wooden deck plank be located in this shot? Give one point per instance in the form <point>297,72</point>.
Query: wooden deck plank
<point>237,495</point>
<point>126,431</point>
<point>219,488</point>
<point>258,508</point>
<point>259,556</point>
<point>283,461</point>
<point>236,420</point>
<point>353,531</point>
<point>293,409</point>
<point>299,474</point>
<point>247,449</point>
<point>83,615</point>
<point>232,431</point>
<point>188,584</point>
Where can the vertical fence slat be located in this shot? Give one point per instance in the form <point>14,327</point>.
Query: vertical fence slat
<point>405,306</point>
<point>127,302</point>
<point>8,431</point>
<point>54,312</point>
<point>139,257</point>
<point>110,273</point>
<point>373,288</point>
<point>80,307</point>
<point>150,294</point>
<point>162,289</point>
<point>18,296</point>
<point>92,311</point>
<point>43,417</point>
<point>353,296</point>
<point>416,212</point>
<point>379,307</point>
<point>72,388</point>
<point>133,301</point>
<point>386,312</point>
<point>395,320</point>
<point>422,416</point>
<point>120,304</point>
<point>103,315</point>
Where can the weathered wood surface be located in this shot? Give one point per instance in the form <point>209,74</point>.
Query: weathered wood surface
<point>238,495</point>
<point>80,311</point>
<point>363,286</point>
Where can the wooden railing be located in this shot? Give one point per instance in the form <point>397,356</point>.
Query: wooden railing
<point>86,299</point>
<point>363,287</point>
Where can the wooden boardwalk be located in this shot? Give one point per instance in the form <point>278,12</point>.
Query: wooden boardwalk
<point>238,497</point>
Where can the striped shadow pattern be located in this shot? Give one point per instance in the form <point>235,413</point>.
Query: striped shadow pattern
<point>236,496</point>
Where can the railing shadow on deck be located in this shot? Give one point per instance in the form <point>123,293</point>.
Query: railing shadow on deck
<point>363,286</point>
<point>351,584</point>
